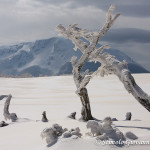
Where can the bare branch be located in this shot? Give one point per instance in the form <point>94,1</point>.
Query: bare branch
<point>109,21</point>
<point>98,51</point>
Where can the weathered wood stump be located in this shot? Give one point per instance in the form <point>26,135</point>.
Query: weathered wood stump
<point>44,118</point>
<point>128,116</point>
<point>10,116</point>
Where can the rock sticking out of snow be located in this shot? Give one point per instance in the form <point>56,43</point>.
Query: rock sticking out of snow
<point>105,130</point>
<point>128,116</point>
<point>3,124</point>
<point>57,129</point>
<point>72,132</point>
<point>50,135</point>
<point>94,126</point>
<point>44,118</point>
<point>114,119</point>
<point>72,115</point>
<point>76,132</point>
<point>131,135</point>
<point>53,133</point>
<point>67,134</point>
<point>110,130</point>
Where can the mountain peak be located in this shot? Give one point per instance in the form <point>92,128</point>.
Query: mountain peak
<point>48,57</point>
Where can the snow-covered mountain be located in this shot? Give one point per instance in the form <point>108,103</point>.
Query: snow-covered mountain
<point>40,57</point>
<point>48,57</point>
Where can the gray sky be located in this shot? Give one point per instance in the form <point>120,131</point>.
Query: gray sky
<point>28,20</point>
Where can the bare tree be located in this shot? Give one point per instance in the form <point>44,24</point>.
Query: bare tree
<point>7,115</point>
<point>109,64</point>
<point>74,33</point>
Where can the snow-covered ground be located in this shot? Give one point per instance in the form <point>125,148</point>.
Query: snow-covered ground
<point>56,95</point>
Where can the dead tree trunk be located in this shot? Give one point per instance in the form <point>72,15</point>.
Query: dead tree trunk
<point>130,85</point>
<point>86,109</point>
<point>81,81</point>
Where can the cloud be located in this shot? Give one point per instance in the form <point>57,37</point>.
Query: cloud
<point>34,19</point>
<point>134,8</point>
<point>127,35</point>
<point>25,21</point>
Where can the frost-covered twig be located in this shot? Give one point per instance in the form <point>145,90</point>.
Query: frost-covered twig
<point>109,21</point>
<point>110,65</point>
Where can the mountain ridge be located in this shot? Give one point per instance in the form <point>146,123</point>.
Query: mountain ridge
<point>49,57</point>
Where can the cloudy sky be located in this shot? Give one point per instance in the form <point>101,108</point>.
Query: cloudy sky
<point>28,20</point>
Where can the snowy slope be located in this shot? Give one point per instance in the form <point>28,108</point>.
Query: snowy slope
<point>40,56</point>
<point>56,95</point>
<point>46,57</point>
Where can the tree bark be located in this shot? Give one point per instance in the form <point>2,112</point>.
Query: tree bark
<point>86,109</point>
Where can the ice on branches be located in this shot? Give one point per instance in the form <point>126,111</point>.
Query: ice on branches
<point>74,33</point>
<point>109,64</point>
<point>89,50</point>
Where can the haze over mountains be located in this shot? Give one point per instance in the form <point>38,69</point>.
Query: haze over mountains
<point>49,57</point>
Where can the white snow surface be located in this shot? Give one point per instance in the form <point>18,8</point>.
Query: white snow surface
<point>56,95</point>
<point>25,48</point>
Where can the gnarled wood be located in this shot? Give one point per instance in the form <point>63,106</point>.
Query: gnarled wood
<point>74,33</point>
<point>110,65</point>
<point>86,109</point>
<point>7,115</point>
